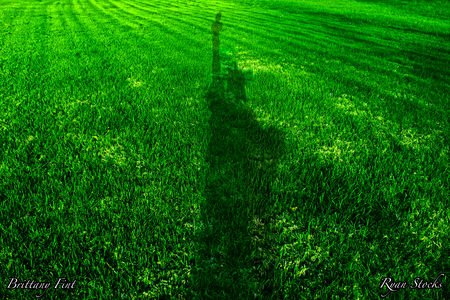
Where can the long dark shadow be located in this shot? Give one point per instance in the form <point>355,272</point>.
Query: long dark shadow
<point>243,158</point>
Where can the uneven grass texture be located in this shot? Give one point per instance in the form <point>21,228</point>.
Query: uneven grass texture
<point>123,168</point>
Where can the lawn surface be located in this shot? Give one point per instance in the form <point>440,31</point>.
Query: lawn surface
<point>320,172</point>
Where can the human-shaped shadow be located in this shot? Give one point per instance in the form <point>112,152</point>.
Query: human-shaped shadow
<point>242,158</point>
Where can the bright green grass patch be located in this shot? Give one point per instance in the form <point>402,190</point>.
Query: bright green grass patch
<point>322,170</point>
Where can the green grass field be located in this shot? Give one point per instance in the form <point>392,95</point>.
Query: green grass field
<point>123,168</point>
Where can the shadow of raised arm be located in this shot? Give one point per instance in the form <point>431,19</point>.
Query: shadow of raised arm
<point>216,27</point>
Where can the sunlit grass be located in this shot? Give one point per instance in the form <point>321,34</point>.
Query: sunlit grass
<point>123,167</point>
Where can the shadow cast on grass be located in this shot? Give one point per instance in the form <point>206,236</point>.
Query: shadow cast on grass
<point>242,159</point>
<point>334,196</point>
